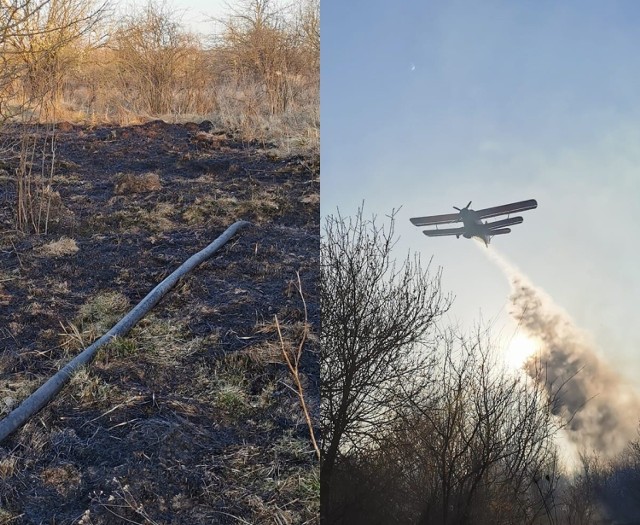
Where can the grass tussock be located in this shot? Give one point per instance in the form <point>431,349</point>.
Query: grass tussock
<point>88,388</point>
<point>60,248</point>
<point>95,317</point>
<point>129,183</point>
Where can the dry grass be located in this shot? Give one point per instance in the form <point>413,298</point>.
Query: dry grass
<point>14,391</point>
<point>158,219</point>
<point>94,319</point>
<point>60,248</point>
<point>212,210</point>
<point>130,183</point>
<point>87,388</point>
<point>193,414</point>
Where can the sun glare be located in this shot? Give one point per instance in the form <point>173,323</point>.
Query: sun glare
<point>519,349</point>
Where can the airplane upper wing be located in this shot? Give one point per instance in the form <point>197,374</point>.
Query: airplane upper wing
<point>436,219</point>
<point>443,232</point>
<point>514,207</point>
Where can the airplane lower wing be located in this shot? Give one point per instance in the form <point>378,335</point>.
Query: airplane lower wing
<point>443,232</point>
<point>436,219</point>
<point>514,207</point>
<point>504,222</point>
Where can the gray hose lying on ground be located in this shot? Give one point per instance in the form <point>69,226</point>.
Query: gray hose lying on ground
<point>47,392</point>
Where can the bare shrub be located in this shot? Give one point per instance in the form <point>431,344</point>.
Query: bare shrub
<point>37,39</point>
<point>38,48</point>
<point>373,315</point>
<point>267,71</point>
<point>474,445</point>
<point>155,60</point>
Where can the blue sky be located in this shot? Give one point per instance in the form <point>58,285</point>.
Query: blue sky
<point>427,105</point>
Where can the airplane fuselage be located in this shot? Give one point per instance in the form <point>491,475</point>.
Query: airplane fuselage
<point>473,226</point>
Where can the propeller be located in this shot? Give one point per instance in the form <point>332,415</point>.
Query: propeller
<point>465,208</point>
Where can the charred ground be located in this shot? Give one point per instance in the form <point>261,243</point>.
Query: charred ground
<point>192,417</point>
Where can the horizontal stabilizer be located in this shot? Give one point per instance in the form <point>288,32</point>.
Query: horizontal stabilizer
<point>505,209</point>
<point>443,232</point>
<point>504,222</point>
<point>435,219</point>
<point>501,231</point>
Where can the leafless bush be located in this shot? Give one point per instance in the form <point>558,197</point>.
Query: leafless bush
<point>373,315</point>
<point>39,47</point>
<point>262,46</point>
<point>474,445</point>
<point>267,72</point>
<point>477,438</point>
<point>159,63</point>
<point>34,194</point>
<point>37,39</point>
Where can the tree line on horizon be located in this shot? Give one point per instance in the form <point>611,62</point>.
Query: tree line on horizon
<point>78,60</point>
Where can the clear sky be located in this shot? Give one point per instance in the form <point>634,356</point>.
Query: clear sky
<point>427,105</point>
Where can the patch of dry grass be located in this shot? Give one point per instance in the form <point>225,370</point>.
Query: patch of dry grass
<point>87,388</point>
<point>159,219</point>
<point>63,478</point>
<point>260,474</point>
<point>158,341</point>
<point>131,183</point>
<point>261,207</point>
<point>60,248</point>
<point>312,198</point>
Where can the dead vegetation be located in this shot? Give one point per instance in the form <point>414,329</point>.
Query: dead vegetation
<point>60,248</point>
<point>70,61</point>
<point>194,415</point>
<point>130,183</point>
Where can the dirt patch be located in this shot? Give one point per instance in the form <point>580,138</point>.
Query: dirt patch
<point>191,418</point>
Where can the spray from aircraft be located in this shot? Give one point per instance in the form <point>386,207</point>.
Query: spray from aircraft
<point>599,407</point>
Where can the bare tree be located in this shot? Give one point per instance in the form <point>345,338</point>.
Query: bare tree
<point>37,40</point>
<point>37,48</point>
<point>151,49</point>
<point>263,45</point>
<point>374,314</point>
<point>486,436</point>
<point>475,445</point>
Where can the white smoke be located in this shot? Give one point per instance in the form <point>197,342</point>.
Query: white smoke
<point>600,408</point>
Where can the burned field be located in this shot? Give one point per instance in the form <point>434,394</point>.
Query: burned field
<point>192,417</point>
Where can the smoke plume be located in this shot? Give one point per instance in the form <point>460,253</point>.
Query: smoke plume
<point>599,407</point>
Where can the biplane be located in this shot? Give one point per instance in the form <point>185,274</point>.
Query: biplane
<point>472,221</point>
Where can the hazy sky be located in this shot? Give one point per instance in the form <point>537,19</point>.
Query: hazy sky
<point>197,15</point>
<point>427,105</point>
<point>200,15</point>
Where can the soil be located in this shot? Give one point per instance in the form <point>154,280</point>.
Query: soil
<point>193,417</point>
